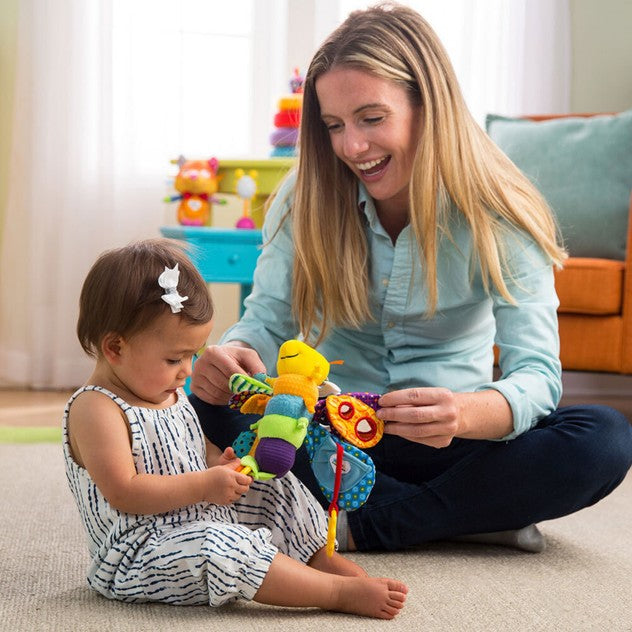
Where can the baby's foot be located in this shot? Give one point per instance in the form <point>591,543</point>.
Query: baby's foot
<point>377,597</point>
<point>336,564</point>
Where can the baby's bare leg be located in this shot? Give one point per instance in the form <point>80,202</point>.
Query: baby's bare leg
<point>336,564</point>
<point>290,583</point>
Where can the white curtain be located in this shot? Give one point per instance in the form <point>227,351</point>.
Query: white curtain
<point>99,113</point>
<point>103,101</point>
<point>64,198</point>
<point>512,57</point>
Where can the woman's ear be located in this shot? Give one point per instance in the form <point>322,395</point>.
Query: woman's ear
<point>111,346</point>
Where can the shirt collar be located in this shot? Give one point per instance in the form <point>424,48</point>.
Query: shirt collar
<point>366,204</point>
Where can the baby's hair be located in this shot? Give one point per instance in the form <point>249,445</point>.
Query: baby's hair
<point>121,293</point>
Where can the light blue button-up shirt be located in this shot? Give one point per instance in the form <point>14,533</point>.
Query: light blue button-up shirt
<point>402,347</point>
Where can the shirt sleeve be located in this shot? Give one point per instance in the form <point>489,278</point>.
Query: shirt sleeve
<point>527,337</point>
<point>268,320</point>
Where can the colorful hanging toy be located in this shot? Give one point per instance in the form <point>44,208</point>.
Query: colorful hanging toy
<point>246,189</point>
<point>301,407</point>
<point>197,182</point>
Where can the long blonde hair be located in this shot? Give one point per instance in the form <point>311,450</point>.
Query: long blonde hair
<point>455,162</point>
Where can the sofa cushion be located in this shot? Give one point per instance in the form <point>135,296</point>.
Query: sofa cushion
<point>590,286</point>
<point>583,167</point>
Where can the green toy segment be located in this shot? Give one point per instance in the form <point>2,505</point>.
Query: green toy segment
<point>281,427</point>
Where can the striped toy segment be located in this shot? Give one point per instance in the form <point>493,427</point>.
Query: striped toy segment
<point>239,382</point>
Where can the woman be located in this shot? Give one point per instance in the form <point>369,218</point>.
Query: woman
<point>407,244</point>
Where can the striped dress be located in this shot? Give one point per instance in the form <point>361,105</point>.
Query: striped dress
<point>203,553</point>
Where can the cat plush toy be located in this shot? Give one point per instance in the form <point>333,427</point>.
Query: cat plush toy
<point>301,407</point>
<point>197,182</point>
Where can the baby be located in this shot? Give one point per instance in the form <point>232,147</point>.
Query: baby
<point>167,514</point>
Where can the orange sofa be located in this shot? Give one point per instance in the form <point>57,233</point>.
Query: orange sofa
<point>582,163</point>
<point>595,313</point>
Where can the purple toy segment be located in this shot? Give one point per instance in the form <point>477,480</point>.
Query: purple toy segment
<point>275,456</point>
<point>370,399</point>
<point>320,412</point>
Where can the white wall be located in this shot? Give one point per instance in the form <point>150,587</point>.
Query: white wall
<point>602,55</point>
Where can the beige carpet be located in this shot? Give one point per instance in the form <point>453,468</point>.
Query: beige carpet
<point>582,582</point>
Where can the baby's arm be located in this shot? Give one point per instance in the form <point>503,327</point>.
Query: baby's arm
<point>100,442</point>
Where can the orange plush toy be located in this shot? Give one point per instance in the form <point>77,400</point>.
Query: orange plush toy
<point>197,182</point>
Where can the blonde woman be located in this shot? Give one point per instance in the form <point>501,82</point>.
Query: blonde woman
<point>407,245</point>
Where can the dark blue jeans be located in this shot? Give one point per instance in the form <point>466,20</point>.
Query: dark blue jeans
<point>570,460</point>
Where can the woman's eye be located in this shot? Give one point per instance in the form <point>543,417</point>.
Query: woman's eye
<point>333,127</point>
<point>373,120</point>
<point>174,362</point>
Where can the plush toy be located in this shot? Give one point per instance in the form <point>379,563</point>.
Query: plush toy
<point>197,182</point>
<point>301,407</point>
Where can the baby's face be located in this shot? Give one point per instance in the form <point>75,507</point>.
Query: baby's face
<point>157,361</point>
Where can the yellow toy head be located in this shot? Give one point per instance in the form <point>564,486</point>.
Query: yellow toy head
<point>297,357</point>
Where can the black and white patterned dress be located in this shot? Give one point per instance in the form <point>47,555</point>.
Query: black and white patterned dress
<point>203,553</point>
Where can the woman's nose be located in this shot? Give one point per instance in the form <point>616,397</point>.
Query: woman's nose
<point>355,142</point>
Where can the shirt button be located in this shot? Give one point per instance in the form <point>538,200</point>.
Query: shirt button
<point>385,282</point>
<point>391,324</point>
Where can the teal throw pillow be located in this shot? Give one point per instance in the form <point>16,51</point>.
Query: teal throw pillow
<point>583,167</point>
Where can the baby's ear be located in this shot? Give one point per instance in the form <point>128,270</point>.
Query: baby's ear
<point>111,347</point>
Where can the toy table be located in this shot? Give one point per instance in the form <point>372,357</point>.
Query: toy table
<point>222,255</point>
<point>270,171</point>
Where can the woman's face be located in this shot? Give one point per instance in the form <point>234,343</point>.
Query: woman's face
<point>374,130</point>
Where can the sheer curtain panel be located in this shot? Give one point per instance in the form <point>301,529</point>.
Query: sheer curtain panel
<point>107,92</point>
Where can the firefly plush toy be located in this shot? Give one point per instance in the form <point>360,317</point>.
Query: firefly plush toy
<point>301,407</point>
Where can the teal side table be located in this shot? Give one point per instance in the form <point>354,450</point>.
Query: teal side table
<point>222,255</point>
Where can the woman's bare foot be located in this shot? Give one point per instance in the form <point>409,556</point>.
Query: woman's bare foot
<point>336,564</point>
<point>377,597</point>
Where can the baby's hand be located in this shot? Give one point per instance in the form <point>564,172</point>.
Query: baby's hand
<point>228,457</point>
<point>225,483</point>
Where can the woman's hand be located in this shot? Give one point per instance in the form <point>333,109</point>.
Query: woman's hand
<point>426,415</point>
<point>435,416</point>
<point>214,367</point>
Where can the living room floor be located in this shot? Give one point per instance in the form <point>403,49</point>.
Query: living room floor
<point>45,408</point>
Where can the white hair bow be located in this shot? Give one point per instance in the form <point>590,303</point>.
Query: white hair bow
<point>168,280</point>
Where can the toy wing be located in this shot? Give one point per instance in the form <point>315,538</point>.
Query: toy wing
<point>250,395</point>
<point>352,416</point>
<point>358,470</point>
<point>238,383</point>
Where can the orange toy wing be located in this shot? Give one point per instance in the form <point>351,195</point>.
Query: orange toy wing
<point>355,421</point>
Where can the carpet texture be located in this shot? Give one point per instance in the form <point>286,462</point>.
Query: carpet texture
<point>581,582</point>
